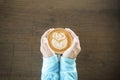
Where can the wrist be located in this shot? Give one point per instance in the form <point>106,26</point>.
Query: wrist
<point>48,55</point>
<point>50,59</point>
<point>67,64</point>
<point>69,56</point>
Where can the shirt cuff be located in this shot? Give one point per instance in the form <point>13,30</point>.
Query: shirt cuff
<point>50,64</point>
<point>67,64</point>
<point>50,59</point>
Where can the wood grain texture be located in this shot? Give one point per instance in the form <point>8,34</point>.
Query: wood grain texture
<point>96,22</point>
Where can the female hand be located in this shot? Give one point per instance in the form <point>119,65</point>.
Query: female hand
<point>44,48</point>
<point>75,48</point>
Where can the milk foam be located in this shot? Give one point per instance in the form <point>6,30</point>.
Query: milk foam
<point>59,40</point>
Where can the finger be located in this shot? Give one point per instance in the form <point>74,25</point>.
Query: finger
<point>78,45</point>
<point>44,43</point>
<point>73,44</point>
<point>41,49</point>
<point>47,32</point>
<point>47,45</point>
<point>78,40</point>
<point>41,43</point>
<point>72,33</point>
<point>78,50</point>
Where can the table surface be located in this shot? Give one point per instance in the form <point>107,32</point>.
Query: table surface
<point>96,22</point>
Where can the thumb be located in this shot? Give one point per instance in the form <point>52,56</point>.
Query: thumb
<point>73,44</point>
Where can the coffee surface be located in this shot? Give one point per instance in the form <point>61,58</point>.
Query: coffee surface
<point>59,40</point>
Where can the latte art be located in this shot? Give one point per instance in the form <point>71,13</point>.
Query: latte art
<point>58,36</point>
<point>59,40</point>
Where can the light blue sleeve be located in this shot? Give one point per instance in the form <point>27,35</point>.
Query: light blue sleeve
<point>68,69</point>
<point>50,68</point>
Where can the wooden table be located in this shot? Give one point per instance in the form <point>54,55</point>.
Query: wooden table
<point>96,22</point>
